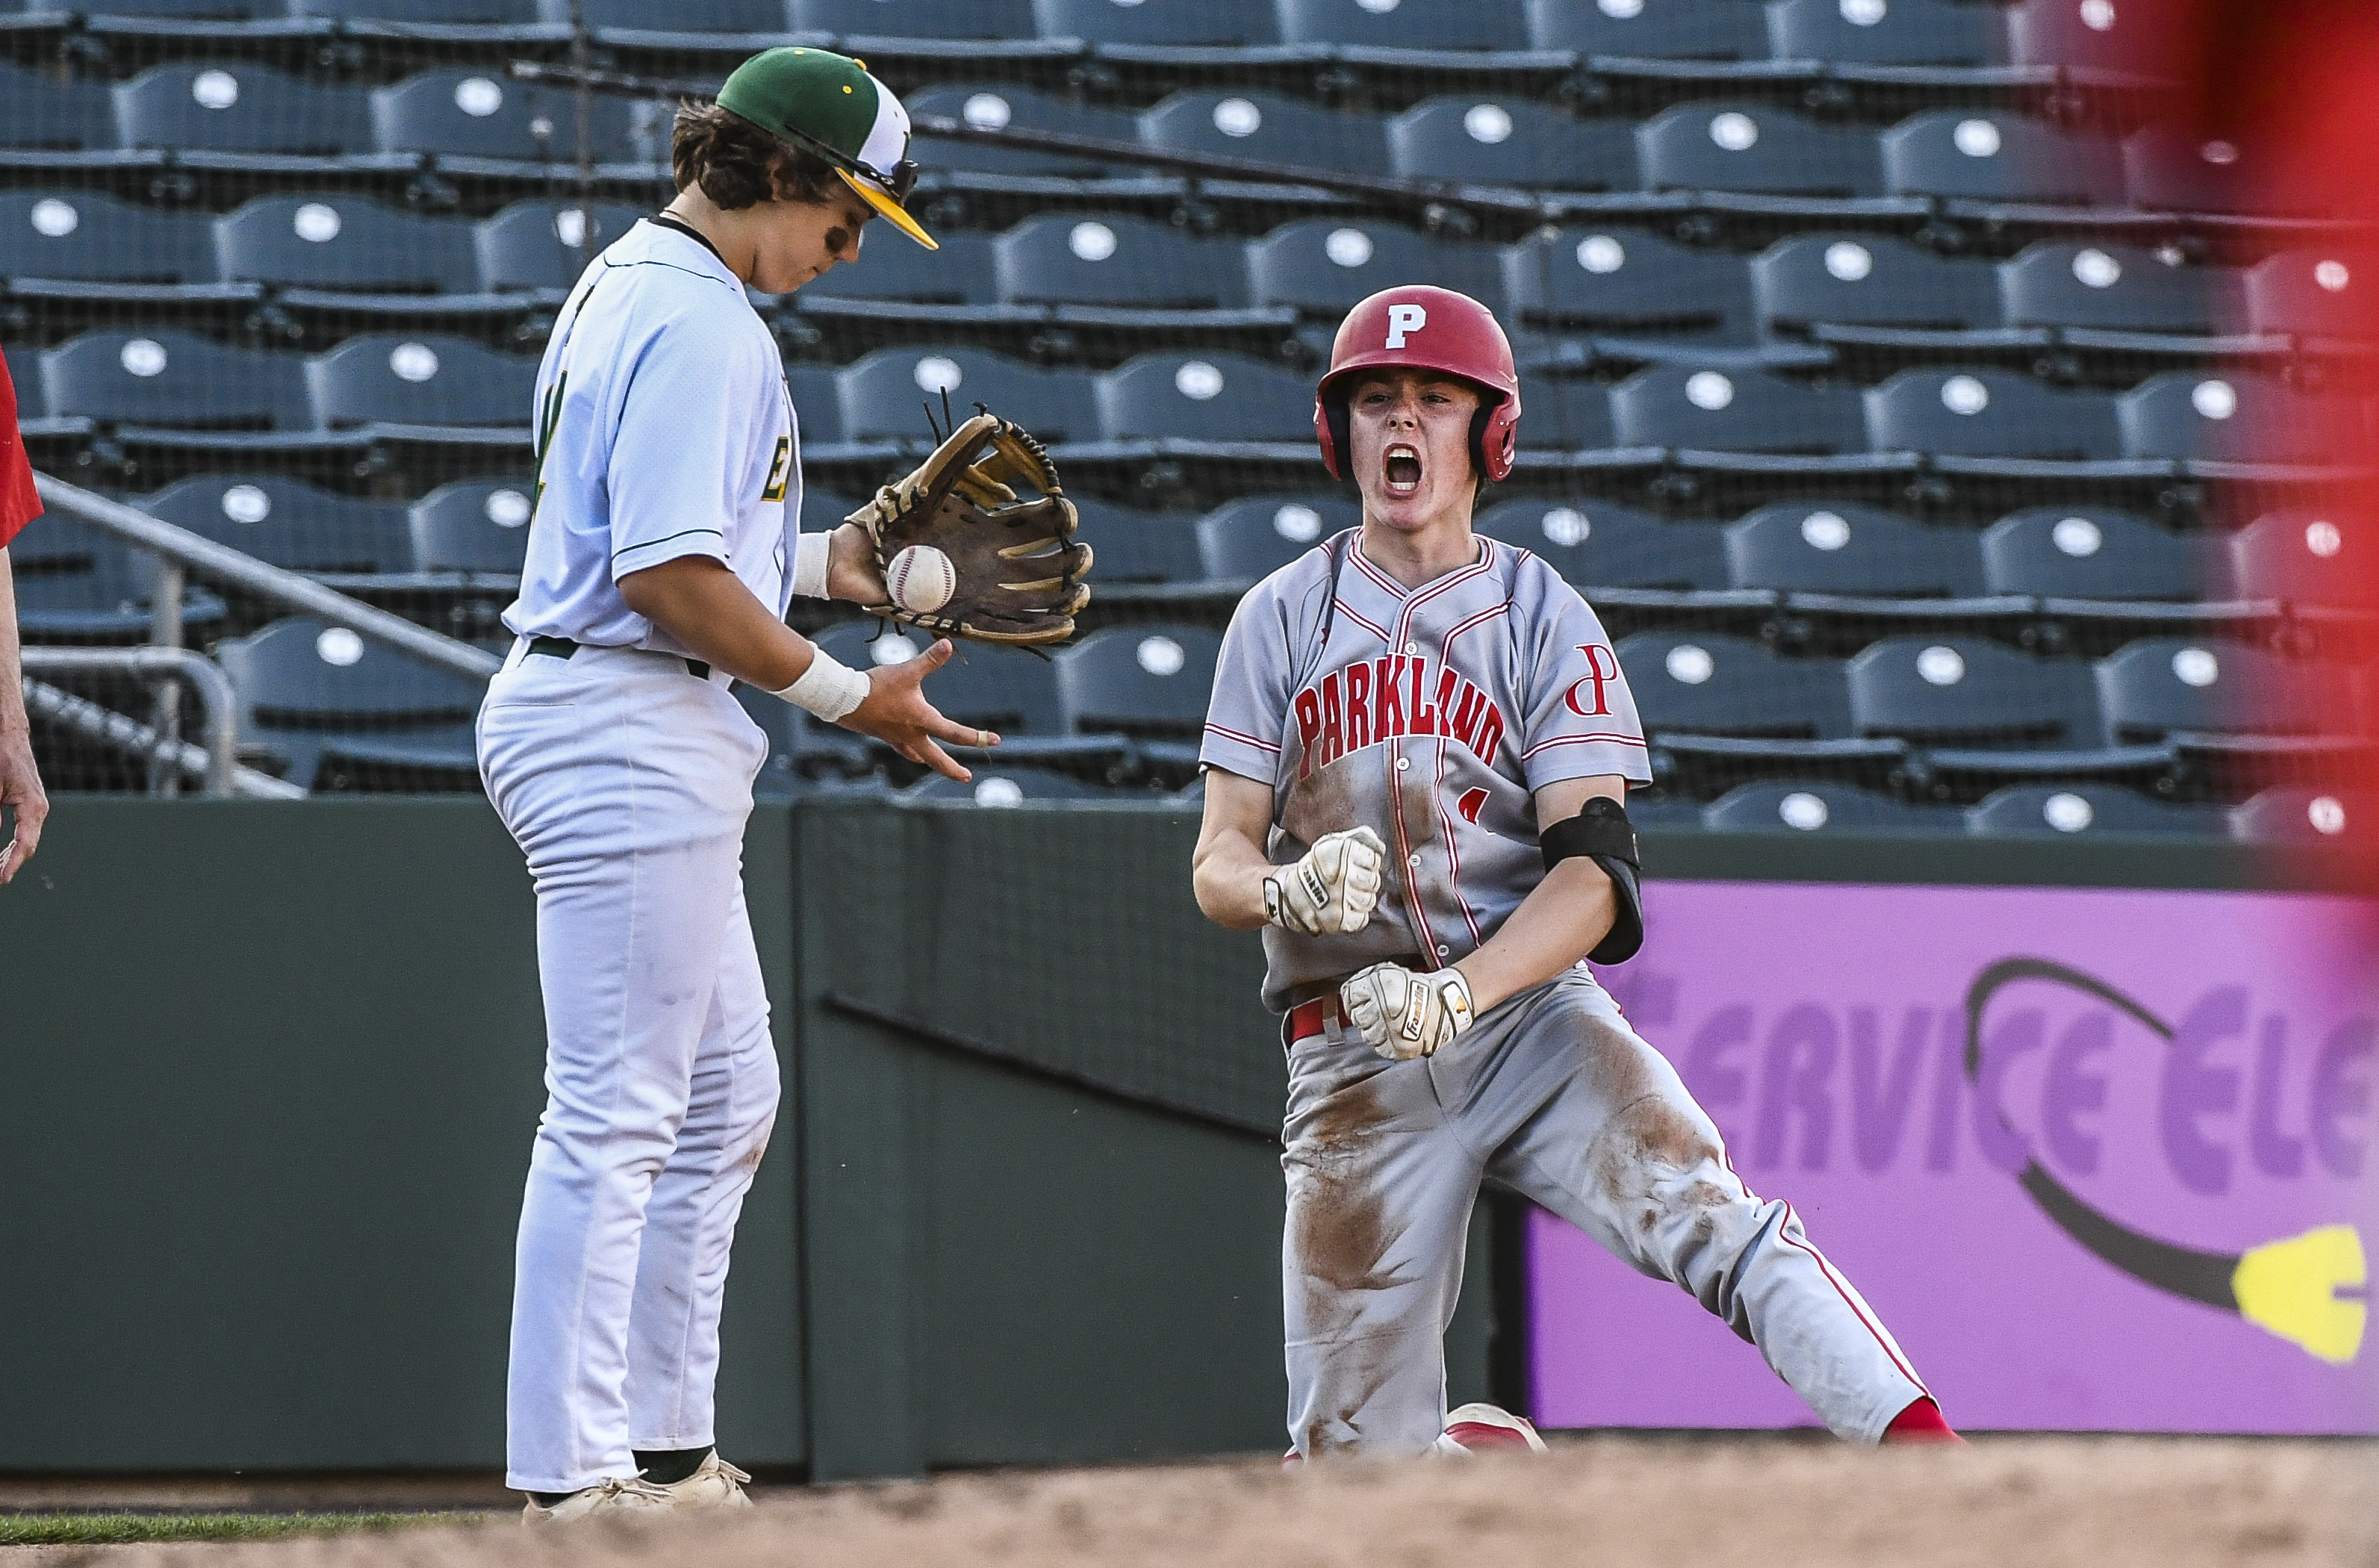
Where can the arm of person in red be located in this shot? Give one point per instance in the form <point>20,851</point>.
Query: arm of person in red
<point>20,782</point>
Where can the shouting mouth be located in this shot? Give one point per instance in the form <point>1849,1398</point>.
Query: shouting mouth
<point>1403,465</point>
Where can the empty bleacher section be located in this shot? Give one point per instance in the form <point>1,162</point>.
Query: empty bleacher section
<point>1949,443</point>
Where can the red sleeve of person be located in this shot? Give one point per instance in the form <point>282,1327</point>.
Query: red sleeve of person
<point>18,503</point>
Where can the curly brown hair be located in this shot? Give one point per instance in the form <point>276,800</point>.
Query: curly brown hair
<point>738,164</point>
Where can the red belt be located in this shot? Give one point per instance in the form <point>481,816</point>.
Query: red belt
<point>1309,1018</point>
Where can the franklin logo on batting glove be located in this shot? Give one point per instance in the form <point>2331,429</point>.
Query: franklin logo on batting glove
<point>1402,1015</point>
<point>1332,888</point>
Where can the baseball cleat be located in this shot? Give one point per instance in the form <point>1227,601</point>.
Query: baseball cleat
<point>618,1496</point>
<point>714,1484</point>
<point>1480,1429</point>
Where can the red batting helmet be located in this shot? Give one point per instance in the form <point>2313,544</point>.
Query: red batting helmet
<point>1426,328</point>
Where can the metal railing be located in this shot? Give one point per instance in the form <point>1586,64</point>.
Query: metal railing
<point>167,665</point>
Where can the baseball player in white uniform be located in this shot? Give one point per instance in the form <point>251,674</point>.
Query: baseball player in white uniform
<point>663,553</point>
<point>1417,762</point>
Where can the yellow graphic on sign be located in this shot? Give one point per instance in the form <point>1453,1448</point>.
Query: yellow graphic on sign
<point>2290,1287</point>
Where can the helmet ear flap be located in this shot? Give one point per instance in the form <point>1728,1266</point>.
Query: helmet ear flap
<point>1338,440</point>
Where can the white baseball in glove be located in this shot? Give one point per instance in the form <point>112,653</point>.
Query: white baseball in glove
<point>1331,889</point>
<point>1401,1014</point>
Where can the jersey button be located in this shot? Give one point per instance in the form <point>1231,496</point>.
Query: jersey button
<point>1414,861</point>
<point>1412,647</point>
<point>1403,762</point>
<point>1442,951</point>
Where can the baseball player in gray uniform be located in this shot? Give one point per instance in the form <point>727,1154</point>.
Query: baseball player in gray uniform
<point>1417,760</point>
<point>663,553</point>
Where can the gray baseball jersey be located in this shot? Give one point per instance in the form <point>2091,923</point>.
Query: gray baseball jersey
<point>1433,716</point>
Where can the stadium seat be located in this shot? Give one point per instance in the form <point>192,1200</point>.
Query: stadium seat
<point>1001,106</point>
<point>1149,682</point>
<point>1164,22</point>
<point>675,17</point>
<point>2235,417</point>
<point>1738,411</point>
<point>38,112</point>
<point>1841,548</point>
<point>1603,544</point>
<point>172,379</point>
<point>2078,809</point>
<point>1620,280</point>
<point>1654,30</point>
<point>341,242</point>
<point>473,113</point>
<point>303,686</point>
<point>1978,413</point>
<point>1707,683</point>
<point>2297,814</point>
<point>1870,281</point>
<point>2174,169</point>
<point>1814,805</point>
<point>1371,24</point>
<point>2155,687</point>
<point>1752,147</point>
<point>1130,546</point>
<point>232,106</point>
<point>998,785</point>
<point>1567,416</point>
<point>1325,265</point>
<point>1992,156</point>
<point>886,395</point>
<point>75,585</point>
<point>2132,38</point>
<point>2308,556</point>
<point>916,18</point>
<point>2088,553</point>
<point>1204,397</point>
<point>88,236</point>
<point>1887,33</point>
<point>2324,293</point>
<point>429,380</point>
<point>288,523</point>
<point>817,404</point>
<point>1064,258</point>
<point>546,244</point>
<point>485,13</point>
<point>2115,287</point>
<point>473,525</point>
<point>1513,142</point>
<point>1268,127</point>
<point>1968,693</point>
<point>1256,536</point>
<point>959,273</point>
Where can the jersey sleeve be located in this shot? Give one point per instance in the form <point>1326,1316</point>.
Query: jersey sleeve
<point>1581,717</point>
<point>19,503</point>
<point>678,444</point>
<point>1244,715</point>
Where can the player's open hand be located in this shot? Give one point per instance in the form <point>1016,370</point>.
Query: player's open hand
<point>21,787</point>
<point>897,713</point>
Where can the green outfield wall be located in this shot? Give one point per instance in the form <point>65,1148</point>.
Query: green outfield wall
<point>269,1073</point>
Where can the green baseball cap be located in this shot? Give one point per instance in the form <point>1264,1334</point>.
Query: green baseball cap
<point>827,104</point>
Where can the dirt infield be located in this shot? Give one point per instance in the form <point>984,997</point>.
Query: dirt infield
<point>2037,1503</point>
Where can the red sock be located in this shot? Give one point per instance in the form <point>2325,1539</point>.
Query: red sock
<point>1921,1422</point>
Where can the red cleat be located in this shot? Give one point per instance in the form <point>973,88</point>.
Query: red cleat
<point>1921,1422</point>
<point>1484,1428</point>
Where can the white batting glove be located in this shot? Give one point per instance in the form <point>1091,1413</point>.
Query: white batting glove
<point>1403,1015</point>
<point>1332,889</point>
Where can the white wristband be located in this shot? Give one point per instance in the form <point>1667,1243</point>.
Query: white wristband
<point>809,556</point>
<point>828,687</point>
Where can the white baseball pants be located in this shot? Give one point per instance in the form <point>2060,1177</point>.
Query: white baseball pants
<point>1555,1093</point>
<point>627,782</point>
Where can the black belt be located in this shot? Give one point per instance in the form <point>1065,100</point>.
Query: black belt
<point>562,647</point>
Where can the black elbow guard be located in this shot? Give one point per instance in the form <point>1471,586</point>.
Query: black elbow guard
<point>1602,833</point>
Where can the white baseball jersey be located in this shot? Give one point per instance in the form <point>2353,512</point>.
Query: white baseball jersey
<point>1430,715</point>
<point>664,429</point>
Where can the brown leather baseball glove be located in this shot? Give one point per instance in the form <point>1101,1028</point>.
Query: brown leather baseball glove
<point>1019,568</point>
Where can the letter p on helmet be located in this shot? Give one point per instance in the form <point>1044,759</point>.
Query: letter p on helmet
<point>1403,318</point>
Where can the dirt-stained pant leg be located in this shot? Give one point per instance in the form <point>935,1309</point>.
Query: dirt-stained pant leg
<point>1590,1121</point>
<point>1379,1207</point>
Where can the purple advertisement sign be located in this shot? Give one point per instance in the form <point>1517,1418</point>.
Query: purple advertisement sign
<point>2103,1160</point>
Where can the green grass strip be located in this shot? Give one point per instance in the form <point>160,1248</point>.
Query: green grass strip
<point>120,1529</point>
